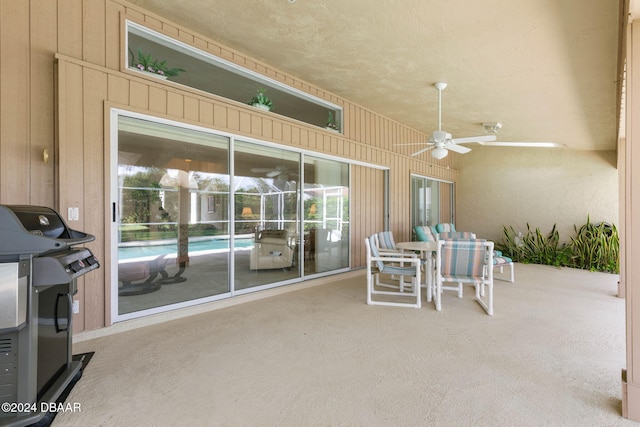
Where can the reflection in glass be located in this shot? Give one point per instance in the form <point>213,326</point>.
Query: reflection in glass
<point>180,215</point>
<point>431,201</point>
<point>266,198</point>
<point>173,230</point>
<point>326,215</point>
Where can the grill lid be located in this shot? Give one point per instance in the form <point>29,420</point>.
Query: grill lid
<point>35,230</point>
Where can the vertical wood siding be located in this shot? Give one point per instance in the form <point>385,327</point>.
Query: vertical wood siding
<point>85,40</point>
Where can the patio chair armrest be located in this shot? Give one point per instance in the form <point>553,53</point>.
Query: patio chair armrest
<point>411,260</point>
<point>392,252</point>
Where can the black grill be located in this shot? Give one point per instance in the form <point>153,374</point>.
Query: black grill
<point>40,260</point>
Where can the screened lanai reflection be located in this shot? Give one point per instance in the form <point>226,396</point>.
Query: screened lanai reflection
<point>172,219</point>
<point>266,199</point>
<point>326,215</point>
<point>185,199</point>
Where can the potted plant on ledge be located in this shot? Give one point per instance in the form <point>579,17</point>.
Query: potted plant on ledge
<point>331,123</point>
<point>262,101</point>
<point>147,64</point>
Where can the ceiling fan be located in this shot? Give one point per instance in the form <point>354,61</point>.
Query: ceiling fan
<point>442,141</point>
<point>272,172</point>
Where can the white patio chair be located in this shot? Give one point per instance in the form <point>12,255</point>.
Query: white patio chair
<point>465,261</point>
<point>499,263</point>
<point>402,266</point>
<point>386,244</point>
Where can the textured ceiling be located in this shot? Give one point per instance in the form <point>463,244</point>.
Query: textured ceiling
<point>546,69</point>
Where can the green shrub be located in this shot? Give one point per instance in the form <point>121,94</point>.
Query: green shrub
<point>533,247</point>
<point>594,247</point>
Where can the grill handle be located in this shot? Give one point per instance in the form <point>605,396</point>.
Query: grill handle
<point>69,307</point>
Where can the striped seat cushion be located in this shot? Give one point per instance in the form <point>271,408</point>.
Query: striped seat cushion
<point>424,233</point>
<point>446,227</point>
<point>456,235</point>
<point>498,260</point>
<point>463,258</point>
<point>385,240</point>
<point>389,268</point>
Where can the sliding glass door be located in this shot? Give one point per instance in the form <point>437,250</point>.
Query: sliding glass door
<point>199,216</point>
<point>172,224</point>
<point>266,199</point>
<point>326,215</point>
<point>432,201</point>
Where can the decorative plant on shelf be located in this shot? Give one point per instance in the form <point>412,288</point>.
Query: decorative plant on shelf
<point>261,100</point>
<point>331,122</point>
<point>154,66</point>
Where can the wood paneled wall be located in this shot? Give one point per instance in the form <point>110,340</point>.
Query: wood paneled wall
<point>84,39</point>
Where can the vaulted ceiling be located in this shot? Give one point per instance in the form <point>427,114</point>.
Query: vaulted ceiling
<point>546,69</point>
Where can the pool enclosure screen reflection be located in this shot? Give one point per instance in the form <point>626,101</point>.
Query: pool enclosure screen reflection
<point>201,216</point>
<point>266,190</point>
<point>172,218</point>
<point>326,215</point>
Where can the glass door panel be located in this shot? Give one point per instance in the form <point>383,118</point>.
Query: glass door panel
<point>173,222</point>
<point>431,202</point>
<point>326,215</point>
<point>266,198</point>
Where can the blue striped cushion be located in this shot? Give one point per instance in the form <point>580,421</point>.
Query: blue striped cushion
<point>440,228</point>
<point>385,240</point>
<point>388,268</point>
<point>402,271</point>
<point>501,260</point>
<point>463,258</point>
<point>374,251</point>
<point>424,234</point>
<point>456,235</point>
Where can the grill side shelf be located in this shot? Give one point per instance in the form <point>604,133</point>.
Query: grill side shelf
<point>62,268</point>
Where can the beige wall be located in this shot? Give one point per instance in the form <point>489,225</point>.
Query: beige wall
<point>514,186</point>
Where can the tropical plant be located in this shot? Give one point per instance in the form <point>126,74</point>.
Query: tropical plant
<point>594,247</point>
<point>534,247</point>
<point>147,63</point>
<point>331,121</point>
<point>262,99</point>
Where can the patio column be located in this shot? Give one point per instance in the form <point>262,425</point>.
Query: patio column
<point>629,159</point>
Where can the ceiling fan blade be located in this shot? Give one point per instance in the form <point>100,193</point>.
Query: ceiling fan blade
<point>524,144</point>
<point>457,148</point>
<point>421,151</point>
<point>478,139</point>
<point>274,173</point>
<point>261,170</point>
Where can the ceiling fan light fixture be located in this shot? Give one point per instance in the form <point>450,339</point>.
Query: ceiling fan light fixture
<point>439,153</point>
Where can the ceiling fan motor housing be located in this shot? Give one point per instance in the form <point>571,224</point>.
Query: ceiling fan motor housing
<point>440,136</point>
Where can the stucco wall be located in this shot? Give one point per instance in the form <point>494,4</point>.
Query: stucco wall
<point>514,186</point>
